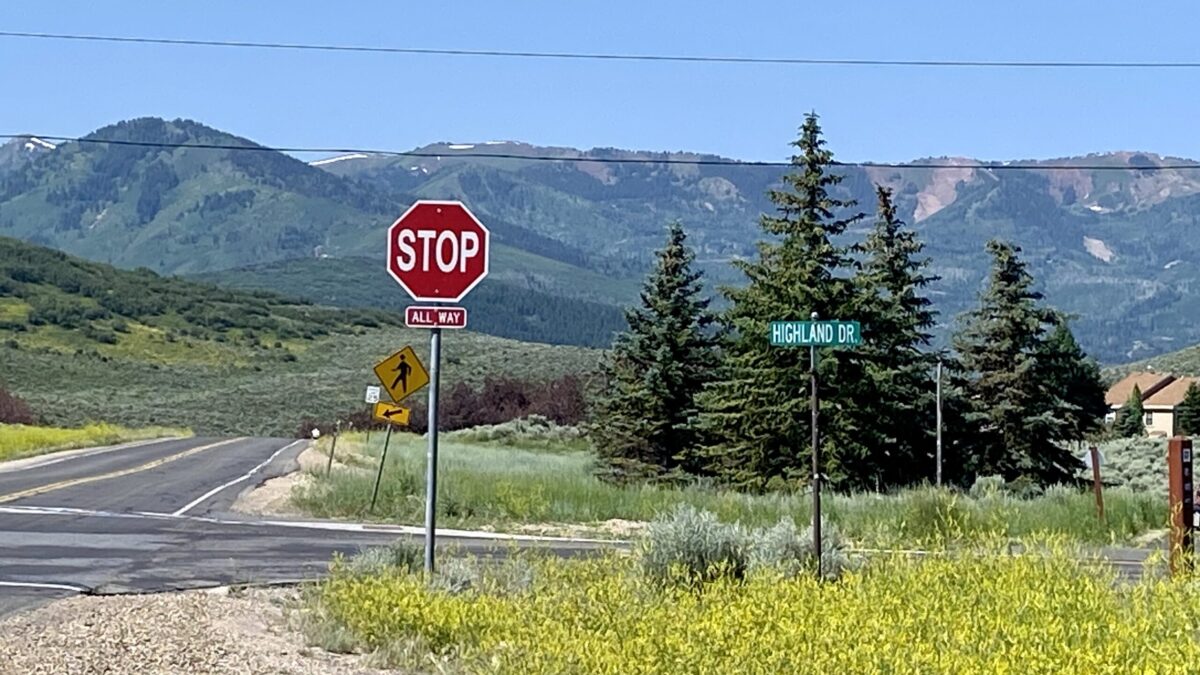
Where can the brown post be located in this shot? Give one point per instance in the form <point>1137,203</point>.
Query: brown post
<point>1096,487</point>
<point>1180,499</point>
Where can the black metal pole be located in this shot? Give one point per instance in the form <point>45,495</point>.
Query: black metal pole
<point>383,458</point>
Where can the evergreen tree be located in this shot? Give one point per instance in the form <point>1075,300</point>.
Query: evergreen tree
<point>757,412</point>
<point>1075,381</point>
<point>657,368</point>
<point>1012,407</point>
<point>894,397</point>
<point>1187,414</point>
<point>1130,422</point>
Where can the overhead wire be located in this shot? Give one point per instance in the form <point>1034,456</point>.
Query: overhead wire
<point>675,160</point>
<point>606,56</point>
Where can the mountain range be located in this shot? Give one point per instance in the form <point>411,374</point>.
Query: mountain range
<point>1107,235</point>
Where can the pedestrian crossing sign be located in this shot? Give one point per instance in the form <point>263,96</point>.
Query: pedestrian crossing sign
<point>401,374</point>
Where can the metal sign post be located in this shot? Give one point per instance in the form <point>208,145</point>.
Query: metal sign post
<point>382,459</point>
<point>813,334</point>
<point>939,423</point>
<point>431,459</point>
<point>1181,502</point>
<point>816,458</point>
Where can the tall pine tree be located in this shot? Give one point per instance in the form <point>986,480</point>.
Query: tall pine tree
<point>1130,422</point>
<point>1187,413</point>
<point>1074,380</point>
<point>656,369</point>
<point>757,413</point>
<point>894,401</point>
<point>1012,406</point>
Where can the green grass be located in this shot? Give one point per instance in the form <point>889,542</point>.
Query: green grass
<point>238,386</point>
<point>18,440</point>
<point>487,484</point>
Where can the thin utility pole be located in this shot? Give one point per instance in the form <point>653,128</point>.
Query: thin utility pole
<point>939,423</point>
<point>816,459</point>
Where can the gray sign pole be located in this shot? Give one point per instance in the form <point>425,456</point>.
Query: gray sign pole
<point>816,459</point>
<point>939,423</point>
<point>431,459</point>
<point>382,460</point>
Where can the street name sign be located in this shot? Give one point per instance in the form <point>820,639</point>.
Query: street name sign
<point>372,395</point>
<point>438,251</point>
<point>435,317</point>
<point>391,413</point>
<point>816,333</point>
<point>401,374</point>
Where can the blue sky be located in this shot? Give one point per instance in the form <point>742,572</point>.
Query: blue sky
<point>743,111</point>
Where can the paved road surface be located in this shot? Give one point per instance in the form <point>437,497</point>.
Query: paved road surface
<point>154,516</point>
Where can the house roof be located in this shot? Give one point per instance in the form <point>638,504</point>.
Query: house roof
<point>1172,394</point>
<point>1148,383</point>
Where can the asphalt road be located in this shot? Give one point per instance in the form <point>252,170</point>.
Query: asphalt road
<point>154,517</point>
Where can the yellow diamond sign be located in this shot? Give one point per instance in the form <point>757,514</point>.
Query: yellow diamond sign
<point>401,374</point>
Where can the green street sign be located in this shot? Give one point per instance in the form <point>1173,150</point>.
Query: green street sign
<point>815,333</point>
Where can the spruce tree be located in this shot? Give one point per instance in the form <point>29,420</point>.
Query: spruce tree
<point>757,413</point>
<point>1130,422</point>
<point>894,396</point>
<point>1074,379</point>
<point>1187,414</point>
<point>1012,408</point>
<point>656,369</point>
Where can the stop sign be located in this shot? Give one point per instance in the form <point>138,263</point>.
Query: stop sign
<point>438,251</point>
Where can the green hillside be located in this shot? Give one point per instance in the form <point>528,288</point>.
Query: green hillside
<point>84,341</point>
<point>1114,247</point>
<point>504,308</point>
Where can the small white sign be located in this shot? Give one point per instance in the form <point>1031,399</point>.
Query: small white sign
<point>372,394</point>
<point>1087,459</point>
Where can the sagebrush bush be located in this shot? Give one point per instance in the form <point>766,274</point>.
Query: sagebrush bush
<point>401,556</point>
<point>693,546</point>
<point>787,550</point>
<point>533,428</point>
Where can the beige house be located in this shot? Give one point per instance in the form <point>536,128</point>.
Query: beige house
<point>1161,393</point>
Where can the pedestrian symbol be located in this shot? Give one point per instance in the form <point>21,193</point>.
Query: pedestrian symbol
<point>401,374</point>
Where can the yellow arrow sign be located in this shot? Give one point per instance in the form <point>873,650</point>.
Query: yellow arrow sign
<point>392,414</point>
<point>401,374</point>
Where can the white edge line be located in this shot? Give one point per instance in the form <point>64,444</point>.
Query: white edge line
<point>49,587</point>
<point>246,476</point>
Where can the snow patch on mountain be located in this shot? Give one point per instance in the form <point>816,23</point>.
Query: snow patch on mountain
<point>1098,249</point>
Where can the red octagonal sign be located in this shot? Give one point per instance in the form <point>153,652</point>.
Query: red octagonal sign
<point>438,251</point>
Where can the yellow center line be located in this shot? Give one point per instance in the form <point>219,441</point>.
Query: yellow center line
<point>113,474</point>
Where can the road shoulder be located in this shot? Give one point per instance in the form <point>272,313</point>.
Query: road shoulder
<point>251,631</point>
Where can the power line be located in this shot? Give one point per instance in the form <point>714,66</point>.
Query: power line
<point>469,154</point>
<point>598,56</point>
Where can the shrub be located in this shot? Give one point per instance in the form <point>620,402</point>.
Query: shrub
<point>13,410</point>
<point>401,556</point>
<point>693,547</point>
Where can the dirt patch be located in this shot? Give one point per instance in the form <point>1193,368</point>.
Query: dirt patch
<point>273,497</point>
<point>190,632</point>
<point>615,528</point>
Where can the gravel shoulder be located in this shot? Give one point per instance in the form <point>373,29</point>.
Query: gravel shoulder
<point>273,497</point>
<point>201,632</point>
